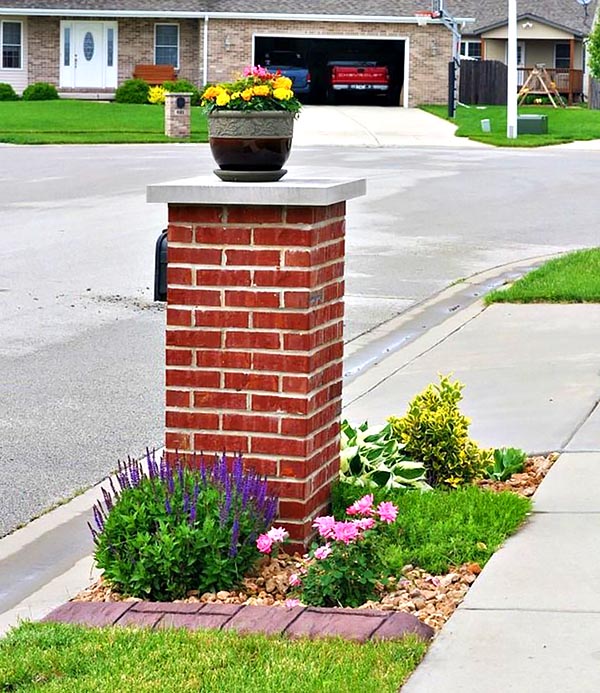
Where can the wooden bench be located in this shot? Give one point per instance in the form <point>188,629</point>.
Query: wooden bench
<point>155,74</point>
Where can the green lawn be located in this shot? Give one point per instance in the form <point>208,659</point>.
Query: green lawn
<point>573,278</point>
<point>57,658</point>
<point>440,529</point>
<point>87,122</point>
<point>564,124</point>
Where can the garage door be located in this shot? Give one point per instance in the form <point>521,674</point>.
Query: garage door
<point>320,54</point>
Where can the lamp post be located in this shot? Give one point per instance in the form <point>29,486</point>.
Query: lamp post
<point>511,82</point>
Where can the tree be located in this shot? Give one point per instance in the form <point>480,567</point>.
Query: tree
<point>593,49</point>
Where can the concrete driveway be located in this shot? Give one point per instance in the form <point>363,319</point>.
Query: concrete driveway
<point>375,126</point>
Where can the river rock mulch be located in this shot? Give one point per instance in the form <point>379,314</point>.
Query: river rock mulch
<point>431,598</point>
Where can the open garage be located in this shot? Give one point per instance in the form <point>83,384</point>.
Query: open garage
<point>320,53</point>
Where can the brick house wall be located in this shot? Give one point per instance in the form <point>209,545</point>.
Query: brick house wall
<point>429,49</point>
<point>43,54</point>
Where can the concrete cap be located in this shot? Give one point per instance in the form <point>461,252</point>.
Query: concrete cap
<point>302,192</point>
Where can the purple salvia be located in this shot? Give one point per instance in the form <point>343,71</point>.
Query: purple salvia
<point>271,511</point>
<point>235,537</point>
<point>112,487</point>
<point>170,479</point>
<point>94,533</point>
<point>163,469</point>
<point>180,473</point>
<point>186,502</point>
<point>98,518</point>
<point>192,516</point>
<point>151,460</point>
<point>168,506</point>
<point>246,488</point>
<point>203,472</point>
<point>107,499</point>
<point>134,474</point>
<point>238,472</point>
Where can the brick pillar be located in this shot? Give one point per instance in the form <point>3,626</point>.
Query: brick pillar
<point>178,114</point>
<point>255,335</point>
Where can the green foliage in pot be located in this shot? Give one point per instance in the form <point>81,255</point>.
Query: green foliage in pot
<point>40,91</point>
<point>434,431</point>
<point>132,91</point>
<point>507,461</point>
<point>372,457</point>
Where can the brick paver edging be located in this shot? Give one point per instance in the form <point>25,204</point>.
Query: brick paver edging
<point>299,621</point>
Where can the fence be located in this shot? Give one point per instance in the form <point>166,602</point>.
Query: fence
<point>483,82</point>
<point>594,94</point>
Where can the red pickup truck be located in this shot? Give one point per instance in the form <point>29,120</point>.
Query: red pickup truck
<point>354,76</point>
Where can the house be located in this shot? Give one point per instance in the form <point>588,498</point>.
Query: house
<point>88,47</point>
<point>551,32</point>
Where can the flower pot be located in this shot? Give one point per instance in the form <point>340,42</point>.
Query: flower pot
<point>258,141</point>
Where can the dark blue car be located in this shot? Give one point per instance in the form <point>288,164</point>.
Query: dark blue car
<point>292,65</point>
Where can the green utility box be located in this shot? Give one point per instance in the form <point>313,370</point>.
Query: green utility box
<point>532,125</point>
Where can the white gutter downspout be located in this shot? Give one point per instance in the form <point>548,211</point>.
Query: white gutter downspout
<point>205,51</point>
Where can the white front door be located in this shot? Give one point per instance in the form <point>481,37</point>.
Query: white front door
<point>88,55</point>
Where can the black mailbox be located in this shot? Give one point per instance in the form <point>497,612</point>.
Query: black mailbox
<point>160,268</point>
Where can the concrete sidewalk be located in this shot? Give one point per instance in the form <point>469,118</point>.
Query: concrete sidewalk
<point>531,622</point>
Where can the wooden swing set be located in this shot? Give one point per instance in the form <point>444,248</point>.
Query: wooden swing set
<point>540,82</point>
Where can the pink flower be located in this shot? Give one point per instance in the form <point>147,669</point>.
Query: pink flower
<point>387,511</point>
<point>322,552</point>
<point>325,526</point>
<point>364,506</point>
<point>365,523</point>
<point>264,543</point>
<point>291,603</point>
<point>277,534</point>
<point>346,532</point>
<point>295,580</point>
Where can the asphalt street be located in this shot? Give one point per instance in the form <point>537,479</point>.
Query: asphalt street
<point>81,355</point>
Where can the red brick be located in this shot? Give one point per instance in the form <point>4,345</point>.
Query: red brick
<point>287,489</point>
<point>296,426</point>
<point>195,213</point>
<point>327,273</point>
<point>280,446</point>
<point>179,275</point>
<point>195,378</point>
<point>253,423</point>
<point>298,258</point>
<point>251,381</point>
<point>313,215</point>
<point>179,234</point>
<point>277,404</point>
<point>252,340</point>
<point>179,357</point>
<point>195,256</point>
<point>222,359</point>
<point>194,338</point>
<point>282,278</point>
<point>300,299</point>
<point>193,297</point>
<point>222,235</point>
<point>269,258</point>
<point>178,441</point>
<point>221,318</point>
<point>292,510</point>
<point>218,443</point>
<point>301,384</point>
<point>250,215</point>
<point>283,321</point>
<point>177,316</point>
<point>283,236</point>
<point>252,299</point>
<point>261,465</point>
<point>288,363</point>
<point>195,420</point>
<point>220,400</point>
<point>179,398</point>
<point>223,277</point>
<point>330,232</point>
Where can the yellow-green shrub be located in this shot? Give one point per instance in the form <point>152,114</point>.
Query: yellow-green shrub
<point>156,95</point>
<point>434,431</point>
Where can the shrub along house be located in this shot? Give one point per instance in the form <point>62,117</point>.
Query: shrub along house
<point>551,32</point>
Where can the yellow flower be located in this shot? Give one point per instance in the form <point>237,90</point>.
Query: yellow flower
<point>283,94</point>
<point>156,94</point>
<point>261,90</point>
<point>282,83</point>
<point>235,95</point>
<point>223,99</point>
<point>210,93</point>
<point>246,94</point>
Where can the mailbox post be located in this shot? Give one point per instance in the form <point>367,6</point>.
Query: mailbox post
<point>178,106</point>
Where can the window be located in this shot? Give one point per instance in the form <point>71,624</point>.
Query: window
<point>67,46</point>
<point>166,44</point>
<point>110,47</point>
<point>11,39</point>
<point>470,50</point>
<point>562,55</point>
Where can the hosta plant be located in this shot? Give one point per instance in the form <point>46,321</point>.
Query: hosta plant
<point>372,457</point>
<point>434,431</point>
<point>344,568</point>
<point>169,529</point>
<point>506,462</point>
